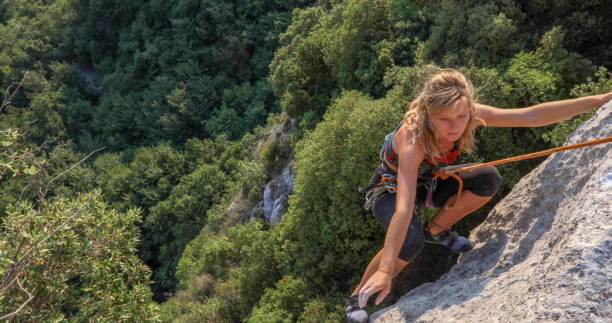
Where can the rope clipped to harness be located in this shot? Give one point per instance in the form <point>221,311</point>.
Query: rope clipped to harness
<point>441,173</point>
<point>444,174</point>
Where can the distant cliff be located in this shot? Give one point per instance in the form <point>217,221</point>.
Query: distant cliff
<point>543,253</point>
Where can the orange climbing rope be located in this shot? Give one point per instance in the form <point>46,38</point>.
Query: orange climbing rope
<point>443,174</point>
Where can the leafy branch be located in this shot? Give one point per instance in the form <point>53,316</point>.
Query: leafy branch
<point>16,159</point>
<point>10,92</point>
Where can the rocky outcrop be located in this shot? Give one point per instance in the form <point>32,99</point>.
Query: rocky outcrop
<point>542,254</point>
<point>88,75</point>
<point>276,197</point>
<point>275,200</point>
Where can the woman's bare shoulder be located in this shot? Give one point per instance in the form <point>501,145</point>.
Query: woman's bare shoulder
<point>410,147</point>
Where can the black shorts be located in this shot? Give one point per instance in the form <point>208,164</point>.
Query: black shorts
<point>482,181</point>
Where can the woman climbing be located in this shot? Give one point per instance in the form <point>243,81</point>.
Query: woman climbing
<point>438,125</point>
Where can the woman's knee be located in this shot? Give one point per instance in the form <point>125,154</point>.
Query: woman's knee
<point>383,209</point>
<point>412,247</point>
<point>487,183</point>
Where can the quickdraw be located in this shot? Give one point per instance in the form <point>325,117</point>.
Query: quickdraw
<point>388,184</point>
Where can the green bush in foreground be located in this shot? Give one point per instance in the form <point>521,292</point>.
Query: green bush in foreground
<point>73,260</point>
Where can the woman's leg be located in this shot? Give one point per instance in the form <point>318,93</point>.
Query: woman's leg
<point>446,217</point>
<point>373,266</point>
<point>480,186</point>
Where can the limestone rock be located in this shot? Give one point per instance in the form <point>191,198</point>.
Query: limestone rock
<point>275,200</point>
<point>543,253</point>
<point>276,195</point>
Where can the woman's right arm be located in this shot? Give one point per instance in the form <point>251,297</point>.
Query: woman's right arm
<point>405,196</point>
<point>410,157</point>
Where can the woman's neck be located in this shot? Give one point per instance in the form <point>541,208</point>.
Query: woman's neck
<point>446,146</point>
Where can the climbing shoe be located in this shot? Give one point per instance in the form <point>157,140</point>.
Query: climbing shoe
<point>450,239</point>
<point>355,314</point>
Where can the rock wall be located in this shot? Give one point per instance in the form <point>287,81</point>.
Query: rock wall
<point>542,254</point>
<point>275,201</point>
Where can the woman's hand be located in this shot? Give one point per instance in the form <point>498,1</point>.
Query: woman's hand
<point>605,98</point>
<point>380,281</point>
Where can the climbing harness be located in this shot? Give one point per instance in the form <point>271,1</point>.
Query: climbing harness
<point>444,174</point>
<point>388,183</point>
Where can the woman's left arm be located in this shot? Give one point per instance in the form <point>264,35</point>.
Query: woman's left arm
<point>541,114</point>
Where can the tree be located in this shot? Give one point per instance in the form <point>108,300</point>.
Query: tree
<point>178,219</point>
<point>323,51</point>
<point>66,259</point>
<point>72,259</point>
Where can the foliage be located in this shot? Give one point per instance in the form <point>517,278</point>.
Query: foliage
<point>411,26</point>
<point>145,71</point>
<point>279,304</point>
<point>79,179</point>
<point>531,79</point>
<point>178,219</point>
<point>205,254</point>
<point>316,311</point>
<point>113,178</point>
<point>275,150</point>
<point>174,200</point>
<point>258,264</point>
<point>183,68</point>
<point>474,32</point>
<point>16,161</point>
<point>599,83</point>
<point>13,155</point>
<point>568,67</point>
<point>583,23</point>
<point>327,50</point>
<point>73,260</point>
<point>215,255</point>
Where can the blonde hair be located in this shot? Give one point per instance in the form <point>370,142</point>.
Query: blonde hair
<point>441,90</point>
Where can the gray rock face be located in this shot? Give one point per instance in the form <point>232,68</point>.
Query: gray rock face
<point>542,254</point>
<point>276,195</point>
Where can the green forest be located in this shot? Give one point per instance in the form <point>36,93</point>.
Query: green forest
<point>136,138</point>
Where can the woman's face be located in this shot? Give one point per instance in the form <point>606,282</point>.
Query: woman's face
<point>451,121</point>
